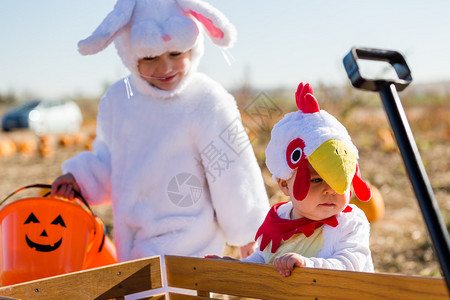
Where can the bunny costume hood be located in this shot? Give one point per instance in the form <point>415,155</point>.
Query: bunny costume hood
<point>313,136</point>
<point>148,28</point>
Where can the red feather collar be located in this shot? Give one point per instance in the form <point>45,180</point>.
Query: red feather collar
<point>275,228</point>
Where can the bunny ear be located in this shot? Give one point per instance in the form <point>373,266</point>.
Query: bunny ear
<point>218,27</point>
<point>108,29</point>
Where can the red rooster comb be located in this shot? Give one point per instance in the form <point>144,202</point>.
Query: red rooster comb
<point>305,100</point>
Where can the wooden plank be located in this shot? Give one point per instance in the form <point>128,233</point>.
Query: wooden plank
<point>203,294</point>
<point>154,297</point>
<point>177,296</point>
<point>106,282</point>
<point>263,281</point>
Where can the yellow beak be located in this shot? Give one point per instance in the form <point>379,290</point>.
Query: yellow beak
<point>335,163</point>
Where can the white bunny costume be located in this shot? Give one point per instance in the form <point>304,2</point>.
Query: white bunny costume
<point>176,165</point>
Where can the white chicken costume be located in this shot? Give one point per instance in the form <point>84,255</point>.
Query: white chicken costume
<point>313,135</point>
<point>176,165</point>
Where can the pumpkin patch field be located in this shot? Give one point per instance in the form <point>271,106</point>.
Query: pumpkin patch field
<point>399,238</point>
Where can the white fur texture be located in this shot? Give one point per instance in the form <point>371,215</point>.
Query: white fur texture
<point>143,142</point>
<point>141,28</point>
<point>345,247</point>
<point>314,129</point>
<point>216,17</point>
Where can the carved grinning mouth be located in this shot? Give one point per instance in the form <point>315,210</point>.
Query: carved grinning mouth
<point>43,248</point>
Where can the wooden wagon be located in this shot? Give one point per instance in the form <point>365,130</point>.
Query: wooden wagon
<point>204,278</point>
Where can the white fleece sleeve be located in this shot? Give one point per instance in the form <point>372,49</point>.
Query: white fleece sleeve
<point>255,257</point>
<point>349,246</point>
<point>233,176</point>
<point>92,170</point>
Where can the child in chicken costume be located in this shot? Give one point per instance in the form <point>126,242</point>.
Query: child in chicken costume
<point>313,160</point>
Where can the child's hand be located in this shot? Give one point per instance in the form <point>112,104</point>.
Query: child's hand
<point>64,186</point>
<point>248,249</point>
<point>286,262</point>
<point>222,258</point>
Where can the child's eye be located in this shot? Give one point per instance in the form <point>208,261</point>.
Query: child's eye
<point>316,180</point>
<point>175,53</point>
<point>148,58</point>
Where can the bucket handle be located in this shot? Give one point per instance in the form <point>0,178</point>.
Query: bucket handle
<point>48,186</point>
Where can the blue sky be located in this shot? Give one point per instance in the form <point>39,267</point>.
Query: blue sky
<point>280,43</point>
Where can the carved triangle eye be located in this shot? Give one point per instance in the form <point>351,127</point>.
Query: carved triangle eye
<point>31,219</point>
<point>59,221</point>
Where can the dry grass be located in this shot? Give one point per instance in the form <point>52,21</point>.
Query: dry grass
<point>399,241</point>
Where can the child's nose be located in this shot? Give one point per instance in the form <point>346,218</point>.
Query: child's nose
<point>327,188</point>
<point>164,65</point>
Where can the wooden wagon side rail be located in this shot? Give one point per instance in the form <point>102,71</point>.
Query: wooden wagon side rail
<point>114,281</point>
<point>263,282</point>
<point>205,276</point>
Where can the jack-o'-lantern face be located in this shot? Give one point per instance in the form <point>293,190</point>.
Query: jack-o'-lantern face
<point>41,237</point>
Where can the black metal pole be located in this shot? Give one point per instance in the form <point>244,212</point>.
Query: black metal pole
<point>418,176</point>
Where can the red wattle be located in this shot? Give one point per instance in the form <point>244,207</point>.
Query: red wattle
<point>302,181</point>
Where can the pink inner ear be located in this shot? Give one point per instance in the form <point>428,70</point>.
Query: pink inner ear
<point>214,31</point>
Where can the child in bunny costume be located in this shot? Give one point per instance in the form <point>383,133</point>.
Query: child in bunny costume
<point>170,153</point>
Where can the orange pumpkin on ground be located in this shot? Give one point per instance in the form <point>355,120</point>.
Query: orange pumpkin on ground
<point>27,147</point>
<point>7,147</point>
<point>374,208</point>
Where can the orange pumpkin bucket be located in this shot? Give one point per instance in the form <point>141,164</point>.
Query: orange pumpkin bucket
<point>45,236</point>
<point>102,251</point>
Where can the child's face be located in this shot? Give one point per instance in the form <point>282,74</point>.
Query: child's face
<point>165,71</point>
<point>321,202</point>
